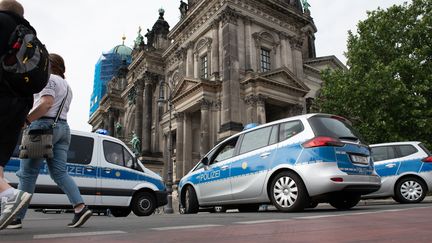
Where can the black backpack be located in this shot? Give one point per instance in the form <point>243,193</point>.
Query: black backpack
<point>25,68</point>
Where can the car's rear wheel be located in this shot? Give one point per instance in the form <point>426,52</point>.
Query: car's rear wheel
<point>120,212</point>
<point>344,201</point>
<point>143,204</point>
<point>191,205</point>
<point>288,192</point>
<point>410,190</point>
<point>248,208</point>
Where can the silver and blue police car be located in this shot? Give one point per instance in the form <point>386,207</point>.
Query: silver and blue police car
<point>293,163</point>
<point>405,169</point>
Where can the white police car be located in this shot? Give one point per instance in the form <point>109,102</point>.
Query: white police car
<point>405,169</point>
<point>107,174</point>
<point>293,163</point>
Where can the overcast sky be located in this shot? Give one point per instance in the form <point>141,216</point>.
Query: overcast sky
<point>81,30</point>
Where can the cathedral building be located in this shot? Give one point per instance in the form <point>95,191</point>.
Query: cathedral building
<point>225,64</point>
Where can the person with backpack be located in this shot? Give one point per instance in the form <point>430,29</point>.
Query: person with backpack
<point>51,106</point>
<point>13,111</point>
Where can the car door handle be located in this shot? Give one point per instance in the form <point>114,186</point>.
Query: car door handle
<point>225,167</point>
<point>89,168</point>
<point>107,170</point>
<point>264,155</point>
<point>390,165</point>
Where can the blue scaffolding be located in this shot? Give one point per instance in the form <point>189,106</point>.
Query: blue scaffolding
<point>105,69</point>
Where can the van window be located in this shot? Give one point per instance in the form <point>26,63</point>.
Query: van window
<point>80,150</point>
<point>405,150</point>
<point>328,126</point>
<point>116,154</point>
<point>383,153</point>
<point>255,139</point>
<point>289,129</point>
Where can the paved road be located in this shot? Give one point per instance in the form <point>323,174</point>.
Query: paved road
<point>372,221</point>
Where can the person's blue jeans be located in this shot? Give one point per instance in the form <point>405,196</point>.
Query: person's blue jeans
<point>29,168</point>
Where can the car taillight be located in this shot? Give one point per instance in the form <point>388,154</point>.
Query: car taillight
<point>323,141</point>
<point>427,159</point>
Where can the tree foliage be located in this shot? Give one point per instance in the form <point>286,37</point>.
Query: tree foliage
<point>387,89</point>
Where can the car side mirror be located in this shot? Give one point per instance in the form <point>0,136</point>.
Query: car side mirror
<point>205,161</point>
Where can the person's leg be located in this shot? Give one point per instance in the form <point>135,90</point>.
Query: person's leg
<point>4,186</point>
<point>58,171</point>
<point>28,174</point>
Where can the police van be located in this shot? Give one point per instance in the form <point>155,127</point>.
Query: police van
<point>293,163</point>
<point>107,174</point>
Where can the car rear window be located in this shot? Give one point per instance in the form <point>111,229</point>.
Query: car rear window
<point>425,149</point>
<point>406,150</point>
<point>328,126</point>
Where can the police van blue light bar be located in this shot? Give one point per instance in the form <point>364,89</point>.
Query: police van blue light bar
<point>102,131</point>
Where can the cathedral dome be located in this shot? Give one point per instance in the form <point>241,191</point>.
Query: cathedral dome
<point>121,50</point>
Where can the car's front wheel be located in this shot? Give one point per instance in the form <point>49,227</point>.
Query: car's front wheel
<point>143,204</point>
<point>288,192</point>
<point>191,205</point>
<point>344,202</point>
<point>410,190</point>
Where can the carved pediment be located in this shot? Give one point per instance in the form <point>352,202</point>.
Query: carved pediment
<point>184,86</point>
<point>286,77</point>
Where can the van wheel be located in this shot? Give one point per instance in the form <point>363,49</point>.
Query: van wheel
<point>410,190</point>
<point>120,212</point>
<point>143,204</point>
<point>344,202</point>
<point>288,192</point>
<point>191,201</point>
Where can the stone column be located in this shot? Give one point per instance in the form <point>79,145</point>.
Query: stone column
<point>205,127</point>
<point>179,145</point>
<point>196,66</point>
<point>165,156</point>
<point>230,83</point>
<point>190,60</point>
<point>147,115</point>
<point>297,44</point>
<point>215,50</point>
<point>187,143</point>
<point>111,117</point>
<point>248,44</point>
<point>251,108</point>
<point>261,113</point>
<point>139,86</point>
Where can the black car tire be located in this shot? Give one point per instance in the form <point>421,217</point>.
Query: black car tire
<point>143,204</point>
<point>286,185</point>
<point>191,205</point>
<point>344,201</point>
<point>120,212</point>
<point>410,190</point>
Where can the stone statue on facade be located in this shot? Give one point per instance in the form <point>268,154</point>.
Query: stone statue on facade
<point>183,9</point>
<point>150,37</point>
<point>118,128</point>
<point>139,40</point>
<point>136,144</point>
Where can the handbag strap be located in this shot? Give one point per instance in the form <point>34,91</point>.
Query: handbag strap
<point>61,108</point>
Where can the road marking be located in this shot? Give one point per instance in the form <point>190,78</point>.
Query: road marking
<point>357,213</point>
<point>66,235</point>
<point>261,221</point>
<point>187,227</point>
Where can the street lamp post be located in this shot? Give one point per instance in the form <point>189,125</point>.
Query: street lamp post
<point>169,208</point>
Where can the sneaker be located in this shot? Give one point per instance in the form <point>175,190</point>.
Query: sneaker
<point>15,224</point>
<point>80,218</point>
<point>11,206</point>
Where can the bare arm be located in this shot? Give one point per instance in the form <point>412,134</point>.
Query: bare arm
<point>45,104</point>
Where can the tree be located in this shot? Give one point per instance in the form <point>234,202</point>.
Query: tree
<point>387,89</point>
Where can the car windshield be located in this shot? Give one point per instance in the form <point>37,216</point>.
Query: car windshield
<point>425,149</point>
<point>335,127</point>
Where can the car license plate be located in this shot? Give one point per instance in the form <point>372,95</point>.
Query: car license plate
<point>358,159</point>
